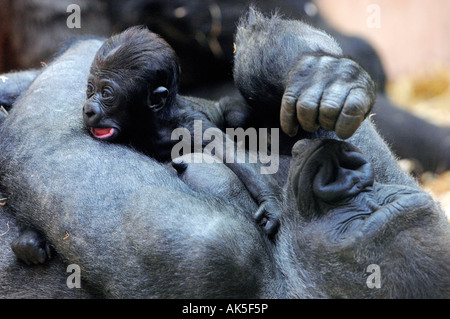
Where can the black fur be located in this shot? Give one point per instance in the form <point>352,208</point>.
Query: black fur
<point>137,230</point>
<point>133,93</point>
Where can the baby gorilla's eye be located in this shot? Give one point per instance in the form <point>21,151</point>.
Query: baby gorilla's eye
<point>90,89</point>
<point>107,93</point>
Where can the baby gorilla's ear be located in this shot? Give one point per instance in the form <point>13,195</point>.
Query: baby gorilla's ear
<point>157,99</point>
<point>344,173</point>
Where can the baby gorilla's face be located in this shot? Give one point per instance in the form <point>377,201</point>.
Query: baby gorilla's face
<point>102,108</point>
<point>133,74</point>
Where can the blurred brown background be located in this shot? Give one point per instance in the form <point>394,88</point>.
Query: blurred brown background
<point>412,34</point>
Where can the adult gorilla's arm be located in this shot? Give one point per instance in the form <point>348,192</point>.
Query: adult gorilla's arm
<point>288,63</point>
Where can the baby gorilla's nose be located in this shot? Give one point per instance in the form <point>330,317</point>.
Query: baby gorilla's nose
<point>91,113</point>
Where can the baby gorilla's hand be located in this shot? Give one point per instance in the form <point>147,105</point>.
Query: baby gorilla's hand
<point>268,216</point>
<point>332,92</point>
<point>31,248</point>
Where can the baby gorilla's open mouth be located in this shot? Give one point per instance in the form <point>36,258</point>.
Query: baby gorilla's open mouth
<point>102,133</point>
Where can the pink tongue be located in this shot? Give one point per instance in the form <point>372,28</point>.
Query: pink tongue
<point>102,132</point>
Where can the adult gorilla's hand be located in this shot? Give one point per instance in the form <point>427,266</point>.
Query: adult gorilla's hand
<point>335,93</point>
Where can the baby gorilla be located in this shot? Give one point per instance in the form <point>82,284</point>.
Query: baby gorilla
<point>133,76</point>
<point>132,99</point>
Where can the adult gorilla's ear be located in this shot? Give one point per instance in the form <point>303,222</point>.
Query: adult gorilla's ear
<point>157,99</point>
<point>343,174</point>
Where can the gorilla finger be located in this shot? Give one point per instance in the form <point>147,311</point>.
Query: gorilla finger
<point>308,109</point>
<point>330,107</point>
<point>358,102</point>
<point>346,125</point>
<point>357,105</point>
<point>307,114</point>
<point>48,250</point>
<point>288,120</point>
<point>32,256</point>
<point>260,213</point>
<point>41,256</point>
<point>271,227</point>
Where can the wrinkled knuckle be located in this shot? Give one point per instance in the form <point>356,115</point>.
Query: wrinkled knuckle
<point>350,71</point>
<point>307,105</point>
<point>355,107</point>
<point>304,69</point>
<point>329,61</point>
<point>349,64</point>
<point>308,62</point>
<point>301,74</point>
<point>289,98</point>
<point>330,107</point>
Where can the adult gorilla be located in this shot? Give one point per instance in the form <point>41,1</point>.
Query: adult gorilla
<point>139,216</point>
<point>137,230</point>
<point>202,34</point>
